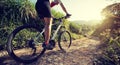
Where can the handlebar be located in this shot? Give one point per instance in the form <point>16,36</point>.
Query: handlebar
<point>64,17</point>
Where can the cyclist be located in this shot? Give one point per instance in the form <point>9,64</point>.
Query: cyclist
<point>43,8</point>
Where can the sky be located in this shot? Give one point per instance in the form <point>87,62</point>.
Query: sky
<point>85,9</point>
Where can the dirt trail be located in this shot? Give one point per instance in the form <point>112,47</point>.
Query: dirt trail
<point>82,52</point>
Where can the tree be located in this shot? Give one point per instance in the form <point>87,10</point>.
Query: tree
<point>112,19</point>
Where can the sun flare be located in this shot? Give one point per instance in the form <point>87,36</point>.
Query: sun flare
<point>85,9</point>
<point>90,10</point>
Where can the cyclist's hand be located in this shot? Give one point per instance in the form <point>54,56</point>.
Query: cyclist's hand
<point>68,15</point>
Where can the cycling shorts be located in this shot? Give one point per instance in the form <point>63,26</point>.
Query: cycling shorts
<point>43,8</point>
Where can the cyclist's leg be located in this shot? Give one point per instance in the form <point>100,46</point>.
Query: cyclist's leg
<point>44,11</point>
<point>48,23</point>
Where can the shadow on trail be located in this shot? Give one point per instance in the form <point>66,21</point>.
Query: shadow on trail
<point>74,57</point>
<point>6,60</point>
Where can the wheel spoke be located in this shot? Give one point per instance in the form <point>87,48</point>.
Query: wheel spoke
<point>22,46</point>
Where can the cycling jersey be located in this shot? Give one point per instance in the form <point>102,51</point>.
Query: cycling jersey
<point>59,1</point>
<point>55,2</point>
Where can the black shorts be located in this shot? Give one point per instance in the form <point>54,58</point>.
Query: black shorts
<point>43,8</point>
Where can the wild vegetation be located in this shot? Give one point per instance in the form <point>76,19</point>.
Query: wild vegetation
<point>14,13</point>
<point>81,30</point>
<point>109,32</point>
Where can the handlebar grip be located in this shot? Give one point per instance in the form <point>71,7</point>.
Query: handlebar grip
<point>67,15</point>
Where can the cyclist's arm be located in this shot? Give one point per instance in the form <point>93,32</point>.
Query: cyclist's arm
<point>56,2</point>
<point>63,7</point>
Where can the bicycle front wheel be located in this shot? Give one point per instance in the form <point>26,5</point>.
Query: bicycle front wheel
<point>64,40</point>
<point>21,44</point>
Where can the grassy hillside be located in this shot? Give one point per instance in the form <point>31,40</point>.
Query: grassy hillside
<point>109,33</point>
<point>90,22</point>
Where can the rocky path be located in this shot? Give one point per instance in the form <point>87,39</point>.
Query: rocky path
<point>82,52</point>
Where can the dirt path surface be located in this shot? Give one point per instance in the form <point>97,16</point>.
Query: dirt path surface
<point>81,52</point>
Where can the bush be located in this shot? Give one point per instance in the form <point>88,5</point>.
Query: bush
<point>111,52</point>
<point>75,28</point>
<point>14,13</point>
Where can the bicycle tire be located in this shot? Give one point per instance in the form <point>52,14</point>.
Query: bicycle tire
<point>64,38</point>
<point>12,52</point>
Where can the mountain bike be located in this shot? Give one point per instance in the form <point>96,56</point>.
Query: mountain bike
<point>25,42</point>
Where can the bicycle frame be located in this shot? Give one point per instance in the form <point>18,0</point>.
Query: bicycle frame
<point>58,28</point>
<point>60,22</point>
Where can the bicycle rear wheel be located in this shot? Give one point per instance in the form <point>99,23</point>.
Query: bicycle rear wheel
<point>21,44</point>
<point>64,40</point>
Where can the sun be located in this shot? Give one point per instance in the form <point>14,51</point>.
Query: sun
<point>90,10</point>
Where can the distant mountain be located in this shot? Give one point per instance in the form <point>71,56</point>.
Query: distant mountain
<point>90,22</point>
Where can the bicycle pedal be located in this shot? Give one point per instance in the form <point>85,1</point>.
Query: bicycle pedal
<point>52,42</point>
